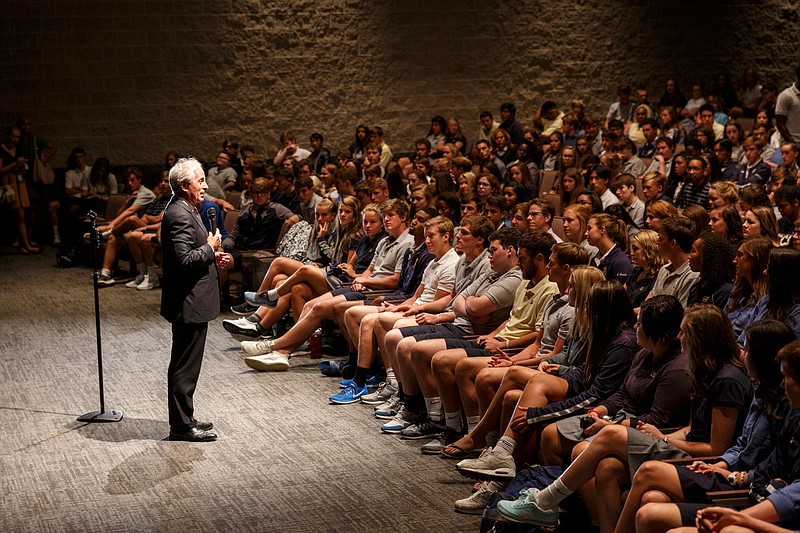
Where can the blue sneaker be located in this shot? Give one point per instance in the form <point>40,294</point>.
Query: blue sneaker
<point>259,298</point>
<point>525,510</point>
<point>343,384</point>
<point>371,382</point>
<point>350,394</point>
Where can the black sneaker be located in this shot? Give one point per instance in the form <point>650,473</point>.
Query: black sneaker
<point>244,309</point>
<point>424,429</point>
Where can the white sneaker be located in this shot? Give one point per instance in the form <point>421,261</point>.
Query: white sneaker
<point>135,282</point>
<point>258,347</point>
<point>476,502</point>
<point>149,283</point>
<point>491,465</point>
<point>382,395</point>
<point>271,362</point>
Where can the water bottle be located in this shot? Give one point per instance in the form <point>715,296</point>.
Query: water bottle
<point>315,344</point>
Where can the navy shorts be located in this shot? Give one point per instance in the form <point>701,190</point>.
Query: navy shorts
<point>469,346</point>
<point>349,295</point>
<point>433,331</point>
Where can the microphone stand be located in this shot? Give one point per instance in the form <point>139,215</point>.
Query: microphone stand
<point>103,415</point>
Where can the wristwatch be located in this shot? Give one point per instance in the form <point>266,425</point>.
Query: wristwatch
<point>666,439</point>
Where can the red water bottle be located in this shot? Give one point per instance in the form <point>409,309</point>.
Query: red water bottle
<point>315,344</point>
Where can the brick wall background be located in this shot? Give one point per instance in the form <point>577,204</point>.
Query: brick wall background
<point>132,79</point>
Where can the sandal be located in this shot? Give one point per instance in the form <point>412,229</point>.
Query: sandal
<point>460,453</point>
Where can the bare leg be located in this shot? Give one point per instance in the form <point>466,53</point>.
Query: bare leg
<point>279,265</point>
<point>301,294</point>
<point>653,517</point>
<point>403,366</point>
<point>353,324</point>
<point>339,311</point>
<point>444,373</point>
<point>135,239</point>
<point>610,476</point>
<point>466,371</point>
<point>309,274</point>
<point>541,390</point>
<point>315,311</point>
<point>487,382</point>
<point>554,448</point>
<point>421,355</point>
<point>651,476</point>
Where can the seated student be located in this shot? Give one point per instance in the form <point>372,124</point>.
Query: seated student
<point>722,193</point>
<point>285,193</point>
<point>782,299</point>
<point>649,130</point>
<point>376,137</point>
<point>695,190</point>
<point>610,236</point>
<point>662,159</point>
<point>458,379</point>
<point>131,215</point>
<point>431,296</point>
<point>540,217</point>
<point>753,169</point>
<point>727,223</point>
<point>471,205</point>
<point>478,309</point>
<point>723,150</point>
<point>324,246</point>
<point>675,238</point>
<point>611,346</point>
<point>308,198</point>
<point>222,177</point>
<point>523,327</point>
<point>721,394</point>
<point>258,227</point>
<point>657,481</point>
<point>599,181</point>
<point>140,240</point>
<point>290,149</point>
<point>378,190</point>
<point>760,221</point>
<point>787,200</point>
<point>655,390</point>
<point>472,239</point>
<point>382,273</point>
<point>631,164</point>
<point>496,211</point>
<point>712,257</point>
<point>625,187</point>
<point>647,261</point>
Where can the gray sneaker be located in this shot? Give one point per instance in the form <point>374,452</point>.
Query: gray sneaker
<point>424,429</point>
<point>434,447</point>
<point>135,282</point>
<point>387,410</point>
<point>491,466</point>
<point>382,395</point>
<point>403,419</point>
<point>476,502</point>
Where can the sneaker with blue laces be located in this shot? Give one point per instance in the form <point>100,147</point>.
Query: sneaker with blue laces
<point>371,382</point>
<point>350,394</point>
<point>525,510</point>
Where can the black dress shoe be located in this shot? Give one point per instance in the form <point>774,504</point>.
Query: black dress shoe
<point>193,435</point>
<point>205,426</point>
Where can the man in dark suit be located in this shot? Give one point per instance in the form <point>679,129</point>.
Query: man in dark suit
<point>190,297</point>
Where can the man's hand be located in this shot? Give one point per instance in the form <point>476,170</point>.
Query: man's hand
<point>215,240</point>
<point>224,260</point>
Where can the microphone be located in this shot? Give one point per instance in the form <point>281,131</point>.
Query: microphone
<point>212,219</point>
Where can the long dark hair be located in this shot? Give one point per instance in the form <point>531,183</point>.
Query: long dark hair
<point>610,312</point>
<point>783,281</point>
<point>710,343</point>
<point>764,339</point>
<point>718,257</point>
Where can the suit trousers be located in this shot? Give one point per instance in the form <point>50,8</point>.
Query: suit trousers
<point>188,344</point>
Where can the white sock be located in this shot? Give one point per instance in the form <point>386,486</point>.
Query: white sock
<point>553,494</point>
<point>390,377</point>
<point>56,234</point>
<point>141,268</point>
<point>105,272</point>
<point>272,294</point>
<point>496,486</point>
<point>505,446</point>
<point>472,421</point>
<point>453,421</point>
<point>433,405</point>
<point>491,438</point>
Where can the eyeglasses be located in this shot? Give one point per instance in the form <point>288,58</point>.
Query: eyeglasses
<point>536,214</point>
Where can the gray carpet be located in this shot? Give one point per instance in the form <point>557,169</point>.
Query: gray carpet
<point>286,460</point>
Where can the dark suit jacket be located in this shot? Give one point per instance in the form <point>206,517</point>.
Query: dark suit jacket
<point>190,290</point>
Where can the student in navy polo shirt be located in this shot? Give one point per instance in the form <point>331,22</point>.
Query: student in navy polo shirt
<point>610,236</point>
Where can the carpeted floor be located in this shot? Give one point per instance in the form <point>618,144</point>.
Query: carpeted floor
<point>286,460</point>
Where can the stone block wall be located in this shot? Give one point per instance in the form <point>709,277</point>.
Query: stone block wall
<point>132,79</point>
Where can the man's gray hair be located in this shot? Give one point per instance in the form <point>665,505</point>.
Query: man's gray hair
<point>183,172</point>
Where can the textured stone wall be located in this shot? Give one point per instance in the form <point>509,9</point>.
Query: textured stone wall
<point>132,79</point>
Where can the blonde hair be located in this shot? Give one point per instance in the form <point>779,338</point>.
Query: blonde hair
<point>653,260</point>
<point>728,191</point>
<point>584,277</point>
